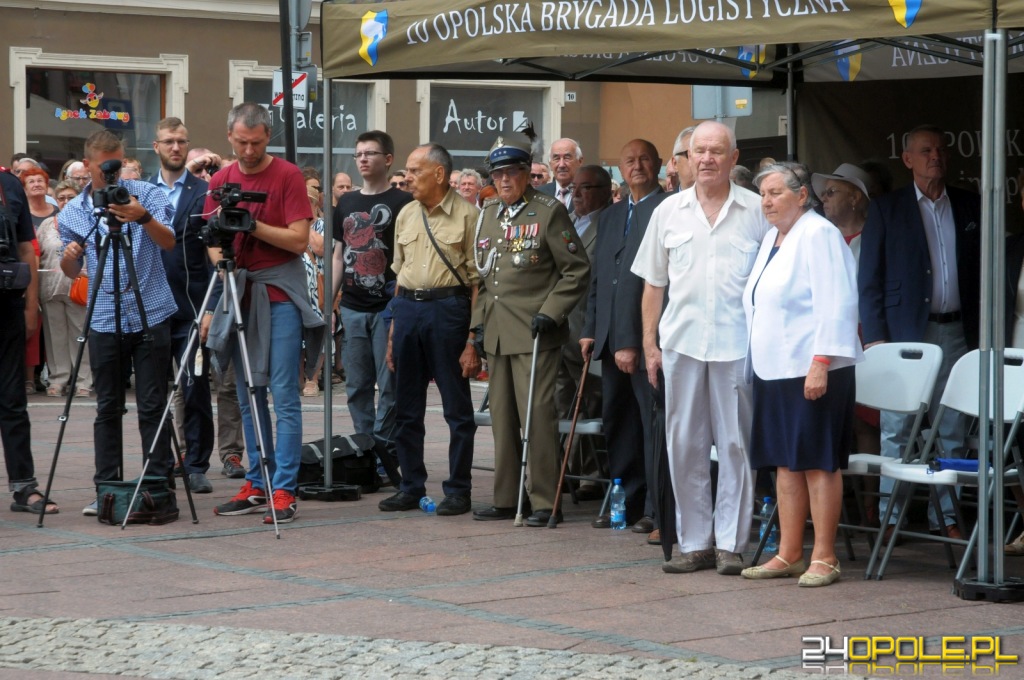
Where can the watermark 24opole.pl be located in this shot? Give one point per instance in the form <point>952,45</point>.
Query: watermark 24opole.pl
<point>905,655</point>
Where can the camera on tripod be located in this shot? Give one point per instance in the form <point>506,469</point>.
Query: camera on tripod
<point>113,193</point>
<point>231,220</point>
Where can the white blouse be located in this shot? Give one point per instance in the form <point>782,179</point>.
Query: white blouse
<point>806,301</point>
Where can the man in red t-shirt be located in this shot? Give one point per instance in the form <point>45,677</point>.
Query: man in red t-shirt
<point>281,235</point>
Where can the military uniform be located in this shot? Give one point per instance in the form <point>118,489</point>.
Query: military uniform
<point>531,262</point>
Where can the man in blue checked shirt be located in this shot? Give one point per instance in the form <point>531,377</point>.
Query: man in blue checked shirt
<point>145,221</point>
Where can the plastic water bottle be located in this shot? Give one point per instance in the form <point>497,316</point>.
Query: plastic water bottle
<point>618,500</point>
<point>772,544</point>
<point>427,505</point>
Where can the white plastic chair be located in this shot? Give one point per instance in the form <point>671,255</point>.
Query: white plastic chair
<point>963,394</point>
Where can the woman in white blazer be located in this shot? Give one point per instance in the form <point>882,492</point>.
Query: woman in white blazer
<point>801,308</point>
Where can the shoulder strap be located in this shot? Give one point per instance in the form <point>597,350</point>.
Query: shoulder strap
<point>437,248</point>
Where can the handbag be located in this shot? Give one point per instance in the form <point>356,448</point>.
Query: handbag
<point>79,292</point>
<point>155,504</point>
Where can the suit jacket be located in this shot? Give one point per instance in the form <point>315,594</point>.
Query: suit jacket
<point>895,271</point>
<point>551,189</point>
<point>578,315</point>
<point>544,272</point>
<point>1014,262</point>
<point>188,267</point>
<point>613,304</point>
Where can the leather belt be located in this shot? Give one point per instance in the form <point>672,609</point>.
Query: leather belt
<point>945,317</point>
<point>426,294</point>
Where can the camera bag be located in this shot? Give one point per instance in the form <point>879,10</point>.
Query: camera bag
<point>354,462</point>
<point>14,274</point>
<point>156,503</point>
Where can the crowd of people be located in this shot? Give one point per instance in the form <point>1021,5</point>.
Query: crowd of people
<point>738,302</point>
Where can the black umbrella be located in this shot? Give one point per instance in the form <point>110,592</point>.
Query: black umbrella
<point>664,498</point>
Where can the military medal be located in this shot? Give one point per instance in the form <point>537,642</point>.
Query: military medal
<point>572,247</point>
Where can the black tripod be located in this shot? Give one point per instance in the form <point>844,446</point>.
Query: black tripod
<point>120,240</point>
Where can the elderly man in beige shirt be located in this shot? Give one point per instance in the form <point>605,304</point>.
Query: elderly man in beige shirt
<point>430,332</point>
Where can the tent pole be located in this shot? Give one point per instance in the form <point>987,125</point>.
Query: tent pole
<point>328,367</point>
<point>990,582</point>
<point>790,114</point>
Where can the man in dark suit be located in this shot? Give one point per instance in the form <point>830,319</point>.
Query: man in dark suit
<point>592,193</point>
<point>565,159</point>
<point>919,279</point>
<point>188,272</point>
<point>614,334</point>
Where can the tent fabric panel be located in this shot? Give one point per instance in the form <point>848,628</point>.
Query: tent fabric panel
<point>381,38</point>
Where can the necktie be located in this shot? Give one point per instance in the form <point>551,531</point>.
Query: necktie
<point>629,219</point>
<point>565,196</point>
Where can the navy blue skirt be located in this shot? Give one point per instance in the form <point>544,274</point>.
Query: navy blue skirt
<point>795,433</point>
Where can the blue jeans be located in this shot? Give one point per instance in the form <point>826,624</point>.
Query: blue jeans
<point>364,357</point>
<point>285,349</point>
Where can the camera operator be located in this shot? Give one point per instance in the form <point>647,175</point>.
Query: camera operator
<point>143,215</point>
<point>275,282</point>
<point>19,310</point>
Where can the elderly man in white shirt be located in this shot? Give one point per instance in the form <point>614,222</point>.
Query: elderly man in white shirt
<point>701,244</point>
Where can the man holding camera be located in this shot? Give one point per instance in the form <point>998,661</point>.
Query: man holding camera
<point>269,257</point>
<point>142,211</point>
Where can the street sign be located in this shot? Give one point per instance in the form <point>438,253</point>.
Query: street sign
<point>302,93</point>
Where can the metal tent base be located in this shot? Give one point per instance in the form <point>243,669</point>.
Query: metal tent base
<point>1010,591</point>
<point>330,494</point>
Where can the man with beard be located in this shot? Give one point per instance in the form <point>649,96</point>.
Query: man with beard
<point>364,233</point>
<point>189,272</point>
<point>534,271</point>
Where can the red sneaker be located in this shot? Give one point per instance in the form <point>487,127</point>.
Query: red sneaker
<point>284,508</point>
<point>249,499</point>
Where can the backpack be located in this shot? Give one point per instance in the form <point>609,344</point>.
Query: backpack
<point>15,275</point>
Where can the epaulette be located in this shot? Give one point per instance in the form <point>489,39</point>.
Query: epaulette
<point>544,199</point>
<point>493,200</point>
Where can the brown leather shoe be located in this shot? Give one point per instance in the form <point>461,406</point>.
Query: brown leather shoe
<point>953,531</point>
<point>654,538</point>
<point>602,522</point>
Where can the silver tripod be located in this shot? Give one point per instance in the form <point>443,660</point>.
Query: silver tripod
<point>225,265</point>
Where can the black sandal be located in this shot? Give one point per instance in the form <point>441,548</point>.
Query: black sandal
<point>37,507</point>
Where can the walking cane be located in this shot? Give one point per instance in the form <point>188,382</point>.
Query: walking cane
<point>553,521</point>
<point>526,430</point>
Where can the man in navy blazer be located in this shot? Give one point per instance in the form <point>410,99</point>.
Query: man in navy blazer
<point>919,278</point>
<point>613,331</point>
<point>566,157</point>
<point>189,272</point>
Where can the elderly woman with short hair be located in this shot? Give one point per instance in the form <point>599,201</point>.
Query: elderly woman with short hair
<point>801,308</point>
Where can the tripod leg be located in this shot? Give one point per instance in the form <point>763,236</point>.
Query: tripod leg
<point>193,338</point>
<point>232,290</point>
<point>101,258</point>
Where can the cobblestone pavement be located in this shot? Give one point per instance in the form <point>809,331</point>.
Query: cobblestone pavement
<point>172,651</point>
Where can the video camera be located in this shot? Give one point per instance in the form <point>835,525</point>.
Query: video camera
<point>221,228</point>
<point>111,194</point>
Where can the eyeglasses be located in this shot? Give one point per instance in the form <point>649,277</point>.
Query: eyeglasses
<point>535,175</point>
<point>172,142</point>
<point>510,171</point>
<point>399,185</point>
<point>79,178</point>
<point>684,154</point>
<point>367,154</point>
<point>64,198</point>
<point>315,187</point>
<point>832,191</point>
